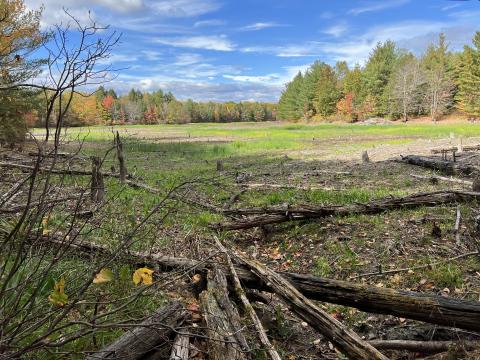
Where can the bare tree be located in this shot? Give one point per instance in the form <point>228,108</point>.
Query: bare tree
<point>406,86</point>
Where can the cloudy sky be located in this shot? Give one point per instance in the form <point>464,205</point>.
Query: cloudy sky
<point>247,50</point>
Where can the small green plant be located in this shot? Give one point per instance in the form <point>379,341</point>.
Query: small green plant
<point>322,267</point>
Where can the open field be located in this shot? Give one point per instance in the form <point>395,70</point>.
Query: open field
<point>269,164</point>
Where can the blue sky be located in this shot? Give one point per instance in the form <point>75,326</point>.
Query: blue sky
<point>244,50</point>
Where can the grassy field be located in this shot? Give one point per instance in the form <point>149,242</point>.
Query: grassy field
<point>266,164</point>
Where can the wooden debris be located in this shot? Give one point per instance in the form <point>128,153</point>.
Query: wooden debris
<point>222,322</point>
<point>445,166</point>
<point>248,307</point>
<point>433,309</point>
<point>180,348</point>
<point>436,178</point>
<point>456,229</point>
<point>275,215</point>
<point>365,158</point>
<point>430,347</point>
<point>345,339</point>
<point>97,191</point>
<point>152,333</point>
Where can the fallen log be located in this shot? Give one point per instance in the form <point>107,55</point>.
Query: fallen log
<point>152,333</point>
<point>180,347</point>
<point>426,347</point>
<point>345,339</point>
<point>276,215</point>
<point>433,178</point>
<point>222,322</point>
<point>432,309</point>
<point>445,166</point>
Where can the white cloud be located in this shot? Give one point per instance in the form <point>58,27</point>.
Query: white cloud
<point>377,6</point>
<point>449,7</point>
<point>260,26</point>
<point>214,42</point>
<point>253,79</point>
<point>183,8</point>
<point>211,22</point>
<point>336,30</point>
<point>188,59</point>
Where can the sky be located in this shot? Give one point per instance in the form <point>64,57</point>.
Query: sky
<point>247,50</point>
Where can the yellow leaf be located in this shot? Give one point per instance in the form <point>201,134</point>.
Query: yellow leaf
<point>143,276</point>
<point>58,296</point>
<point>105,275</point>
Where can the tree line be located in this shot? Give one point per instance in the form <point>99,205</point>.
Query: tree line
<point>394,83</point>
<point>105,107</point>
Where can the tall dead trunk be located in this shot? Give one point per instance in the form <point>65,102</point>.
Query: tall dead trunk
<point>121,158</point>
<point>97,193</point>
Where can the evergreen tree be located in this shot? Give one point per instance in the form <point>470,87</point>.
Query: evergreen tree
<point>327,92</point>
<point>289,105</point>
<point>468,78</point>
<point>377,74</point>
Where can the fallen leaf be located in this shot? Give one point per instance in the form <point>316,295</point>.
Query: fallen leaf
<point>104,276</point>
<point>143,276</point>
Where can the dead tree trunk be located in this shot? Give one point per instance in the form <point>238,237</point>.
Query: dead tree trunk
<point>121,158</point>
<point>445,166</point>
<point>345,339</point>
<point>429,347</point>
<point>152,333</point>
<point>222,322</point>
<point>97,192</point>
<point>433,309</point>
<point>276,215</point>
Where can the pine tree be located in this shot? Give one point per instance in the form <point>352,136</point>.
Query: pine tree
<point>377,74</point>
<point>327,91</point>
<point>468,77</point>
<point>289,105</point>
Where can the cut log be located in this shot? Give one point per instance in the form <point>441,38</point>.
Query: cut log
<point>222,322</point>
<point>152,333</point>
<point>433,309</point>
<point>276,215</point>
<point>248,307</point>
<point>426,347</point>
<point>345,339</point>
<point>445,166</point>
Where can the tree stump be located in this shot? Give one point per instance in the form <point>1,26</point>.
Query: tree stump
<point>121,159</point>
<point>365,158</point>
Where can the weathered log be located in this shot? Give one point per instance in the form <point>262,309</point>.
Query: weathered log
<point>29,168</point>
<point>276,215</point>
<point>222,322</point>
<point>430,347</point>
<point>262,335</point>
<point>152,333</point>
<point>433,178</point>
<point>445,166</point>
<point>433,309</point>
<point>345,339</point>
<point>180,347</point>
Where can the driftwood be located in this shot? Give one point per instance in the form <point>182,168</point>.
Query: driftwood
<point>433,309</point>
<point>248,308</point>
<point>445,166</point>
<point>222,322</point>
<point>152,333</point>
<point>276,215</point>
<point>429,347</point>
<point>434,178</point>
<point>345,339</point>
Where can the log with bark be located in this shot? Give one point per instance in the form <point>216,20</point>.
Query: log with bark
<point>222,322</point>
<point>445,166</point>
<point>433,309</point>
<point>345,339</point>
<point>152,333</point>
<point>276,215</point>
<point>435,178</point>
